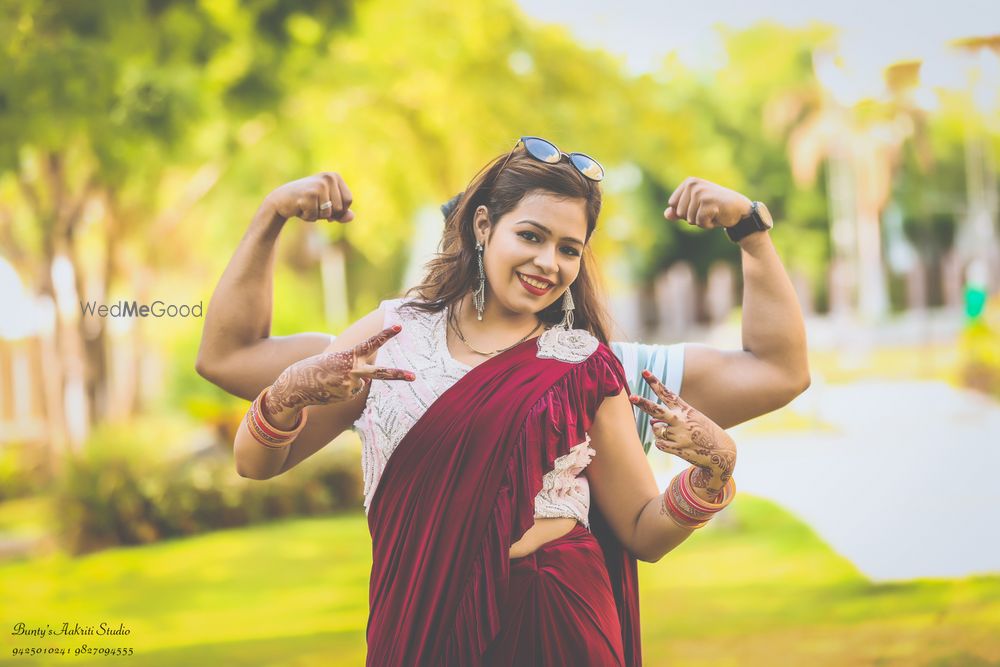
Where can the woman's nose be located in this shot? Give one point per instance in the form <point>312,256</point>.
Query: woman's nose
<point>545,260</point>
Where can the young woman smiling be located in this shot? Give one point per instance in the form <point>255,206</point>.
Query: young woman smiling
<point>507,491</point>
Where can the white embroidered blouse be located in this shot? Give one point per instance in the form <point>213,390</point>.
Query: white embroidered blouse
<point>394,407</point>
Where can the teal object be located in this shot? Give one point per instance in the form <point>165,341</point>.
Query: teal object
<point>666,362</point>
<point>975,301</point>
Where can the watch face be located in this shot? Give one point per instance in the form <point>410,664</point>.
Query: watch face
<point>764,214</point>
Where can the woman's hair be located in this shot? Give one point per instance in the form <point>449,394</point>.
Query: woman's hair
<point>453,271</point>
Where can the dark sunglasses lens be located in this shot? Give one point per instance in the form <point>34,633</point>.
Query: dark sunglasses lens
<point>587,166</point>
<point>542,150</point>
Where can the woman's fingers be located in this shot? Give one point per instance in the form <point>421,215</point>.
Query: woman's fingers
<point>668,397</point>
<point>326,205</point>
<point>381,373</point>
<point>369,347</point>
<point>653,409</point>
<point>330,204</point>
<point>683,202</point>
<point>347,199</point>
<point>309,207</point>
<point>668,417</point>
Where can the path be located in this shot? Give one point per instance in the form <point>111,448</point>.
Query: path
<point>907,487</point>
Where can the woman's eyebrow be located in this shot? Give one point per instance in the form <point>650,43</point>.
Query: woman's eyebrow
<point>549,231</point>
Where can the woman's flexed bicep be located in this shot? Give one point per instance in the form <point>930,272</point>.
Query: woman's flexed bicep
<point>247,370</point>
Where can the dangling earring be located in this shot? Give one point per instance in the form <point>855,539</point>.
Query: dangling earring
<point>565,343</point>
<point>479,296</point>
<point>567,307</point>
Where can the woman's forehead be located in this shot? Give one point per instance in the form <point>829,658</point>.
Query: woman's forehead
<point>563,216</point>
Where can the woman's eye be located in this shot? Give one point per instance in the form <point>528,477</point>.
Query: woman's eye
<point>572,251</point>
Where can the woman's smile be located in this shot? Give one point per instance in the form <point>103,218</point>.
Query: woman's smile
<point>533,286</point>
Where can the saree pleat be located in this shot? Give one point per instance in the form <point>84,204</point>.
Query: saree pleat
<point>459,489</point>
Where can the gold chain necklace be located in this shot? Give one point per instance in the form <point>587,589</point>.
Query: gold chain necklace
<point>454,326</point>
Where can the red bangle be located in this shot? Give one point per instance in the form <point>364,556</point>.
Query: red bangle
<point>679,501</point>
<point>724,497</point>
<point>274,431</point>
<point>266,433</point>
<point>678,516</point>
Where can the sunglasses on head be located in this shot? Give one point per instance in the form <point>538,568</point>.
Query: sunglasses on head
<point>546,151</point>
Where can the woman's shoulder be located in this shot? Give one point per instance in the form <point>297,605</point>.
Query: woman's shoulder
<point>579,346</point>
<point>608,370</point>
<point>409,313</point>
<point>423,322</point>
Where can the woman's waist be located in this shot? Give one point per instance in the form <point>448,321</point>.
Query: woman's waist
<point>544,531</point>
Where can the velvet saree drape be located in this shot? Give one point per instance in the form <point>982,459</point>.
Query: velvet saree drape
<point>459,489</point>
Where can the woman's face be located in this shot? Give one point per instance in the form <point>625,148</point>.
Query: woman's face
<point>541,238</point>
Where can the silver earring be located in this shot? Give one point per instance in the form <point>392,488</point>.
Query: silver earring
<point>479,297</point>
<point>567,307</point>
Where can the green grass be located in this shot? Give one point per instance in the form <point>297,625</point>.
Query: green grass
<point>25,517</point>
<point>758,588</point>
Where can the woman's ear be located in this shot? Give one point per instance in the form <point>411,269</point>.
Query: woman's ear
<point>481,222</point>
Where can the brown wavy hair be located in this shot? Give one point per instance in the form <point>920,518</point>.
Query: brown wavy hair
<point>453,271</point>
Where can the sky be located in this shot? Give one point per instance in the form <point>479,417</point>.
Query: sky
<point>875,32</point>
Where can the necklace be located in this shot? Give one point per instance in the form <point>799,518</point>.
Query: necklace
<point>454,326</point>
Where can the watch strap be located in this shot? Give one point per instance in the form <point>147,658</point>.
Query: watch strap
<point>747,225</point>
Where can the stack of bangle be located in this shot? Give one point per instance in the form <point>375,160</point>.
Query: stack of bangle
<point>686,509</point>
<point>265,433</point>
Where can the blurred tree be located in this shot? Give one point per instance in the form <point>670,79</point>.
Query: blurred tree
<point>730,123</point>
<point>98,101</point>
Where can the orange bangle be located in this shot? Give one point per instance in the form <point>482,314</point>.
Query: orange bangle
<point>266,433</point>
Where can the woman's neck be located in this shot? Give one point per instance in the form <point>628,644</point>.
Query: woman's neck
<point>498,328</point>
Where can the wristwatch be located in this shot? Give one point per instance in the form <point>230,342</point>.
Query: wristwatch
<point>758,220</point>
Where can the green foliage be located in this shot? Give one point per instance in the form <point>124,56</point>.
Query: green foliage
<point>132,484</point>
<point>731,126</point>
<point>407,102</point>
<point>23,470</point>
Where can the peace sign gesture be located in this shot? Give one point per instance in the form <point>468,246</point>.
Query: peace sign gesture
<point>330,376</point>
<point>683,431</point>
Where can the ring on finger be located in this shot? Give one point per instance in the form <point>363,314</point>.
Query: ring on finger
<point>326,205</point>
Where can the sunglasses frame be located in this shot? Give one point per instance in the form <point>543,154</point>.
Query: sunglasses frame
<point>568,156</point>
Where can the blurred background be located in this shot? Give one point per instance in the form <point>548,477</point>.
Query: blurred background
<point>137,139</point>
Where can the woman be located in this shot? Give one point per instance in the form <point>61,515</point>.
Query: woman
<point>489,545</point>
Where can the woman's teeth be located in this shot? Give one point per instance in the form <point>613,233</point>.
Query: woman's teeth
<point>534,283</point>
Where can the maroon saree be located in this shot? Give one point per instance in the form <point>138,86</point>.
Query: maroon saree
<point>459,489</point>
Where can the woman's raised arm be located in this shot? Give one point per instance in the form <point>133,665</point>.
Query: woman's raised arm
<point>237,352</point>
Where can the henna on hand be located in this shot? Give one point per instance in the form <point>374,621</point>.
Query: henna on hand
<point>312,381</point>
<point>332,376</point>
<point>685,432</point>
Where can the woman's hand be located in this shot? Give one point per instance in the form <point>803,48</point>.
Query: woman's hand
<point>306,198</point>
<point>683,431</point>
<point>707,204</point>
<point>328,377</point>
